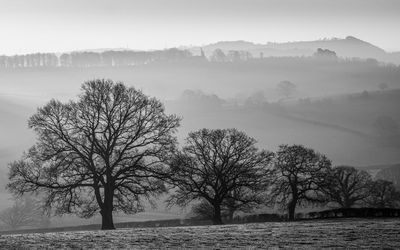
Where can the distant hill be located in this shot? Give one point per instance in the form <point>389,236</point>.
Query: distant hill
<point>99,50</point>
<point>14,137</point>
<point>233,45</point>
<point>333,126</point>
<point>349,47</point>
<point>342,127</point>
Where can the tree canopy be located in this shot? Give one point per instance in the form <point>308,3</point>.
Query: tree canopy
<point>346,186</point>
<point>383,194</point>
<point>299,174</point>
<point>100,153</point>
<point>219,166</point>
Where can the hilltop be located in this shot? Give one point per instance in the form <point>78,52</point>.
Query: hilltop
<point>349,47</point>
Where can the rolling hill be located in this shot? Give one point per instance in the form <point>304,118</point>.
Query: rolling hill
<point>329,110</point>
<point>349,47</point>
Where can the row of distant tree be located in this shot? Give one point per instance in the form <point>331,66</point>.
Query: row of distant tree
<point>92,59</point>
<point>115,146</point>
<point>112,58</point>
<point>225,171</point>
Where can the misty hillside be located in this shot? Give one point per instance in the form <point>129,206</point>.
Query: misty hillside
<point>349,47</point>
<point>14,139</point>
<point>343,127</point>
<point>15,135</point>
<point>167,80</point>
<point>333,108</point>
<point>339,100</point>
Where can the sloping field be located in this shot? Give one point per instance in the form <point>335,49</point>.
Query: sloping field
<point>345,233</point>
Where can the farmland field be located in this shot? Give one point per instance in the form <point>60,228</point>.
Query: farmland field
<point>344,233</point>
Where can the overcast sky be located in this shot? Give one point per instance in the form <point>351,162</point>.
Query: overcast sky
<point>63,25</point>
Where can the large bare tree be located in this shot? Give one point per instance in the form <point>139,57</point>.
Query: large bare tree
<point>346,186</point>
<point>100,153</point>
<point>299,174</point>
<point>215,163</point>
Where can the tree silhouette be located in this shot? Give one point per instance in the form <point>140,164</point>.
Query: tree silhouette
<point>325,54</point>
<point>101,153</point>
<point>65,60</point>
<point>286,88</point>
<point>218,56</point>
<point>299,174</point>
<point>25,211</point>
<point>234,56</point>
<point>383,194</point>
<point>347,186</point>
<point>215,163</point>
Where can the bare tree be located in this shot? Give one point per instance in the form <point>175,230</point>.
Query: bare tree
<point>25,211</point>
<point>299,174</point>
<point>286,88</point>
<point>218,56</point>
<point>234,56</point>
<point>347,186</point>
<point>100,153</point>
<point>213,164</point>
<point>383,194</point>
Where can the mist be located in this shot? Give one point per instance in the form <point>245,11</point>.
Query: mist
<point>317,75</point>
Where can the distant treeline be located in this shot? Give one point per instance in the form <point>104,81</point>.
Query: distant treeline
<point>114,58</point>
<point>92,59</point>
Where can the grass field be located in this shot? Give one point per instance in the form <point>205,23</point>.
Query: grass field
<point>344,233</point>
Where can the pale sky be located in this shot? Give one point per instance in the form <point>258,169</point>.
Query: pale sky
<point>63,25</point>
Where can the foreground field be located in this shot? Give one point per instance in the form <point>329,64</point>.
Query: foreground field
<point>346,233</point>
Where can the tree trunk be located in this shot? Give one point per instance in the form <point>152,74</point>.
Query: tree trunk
<point>292,209</point>
<point>217,220</point>
<point>230,215</point>
<point>107,222</point>
<point>347,203</point>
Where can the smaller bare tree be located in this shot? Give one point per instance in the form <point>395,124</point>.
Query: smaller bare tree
<point>215,163</point>
<point>299,174</point>
<point>286,89</point>
<point>383,194</point>
<point>25,211</point>
<point>218,56</point>
<point>346,186</point>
